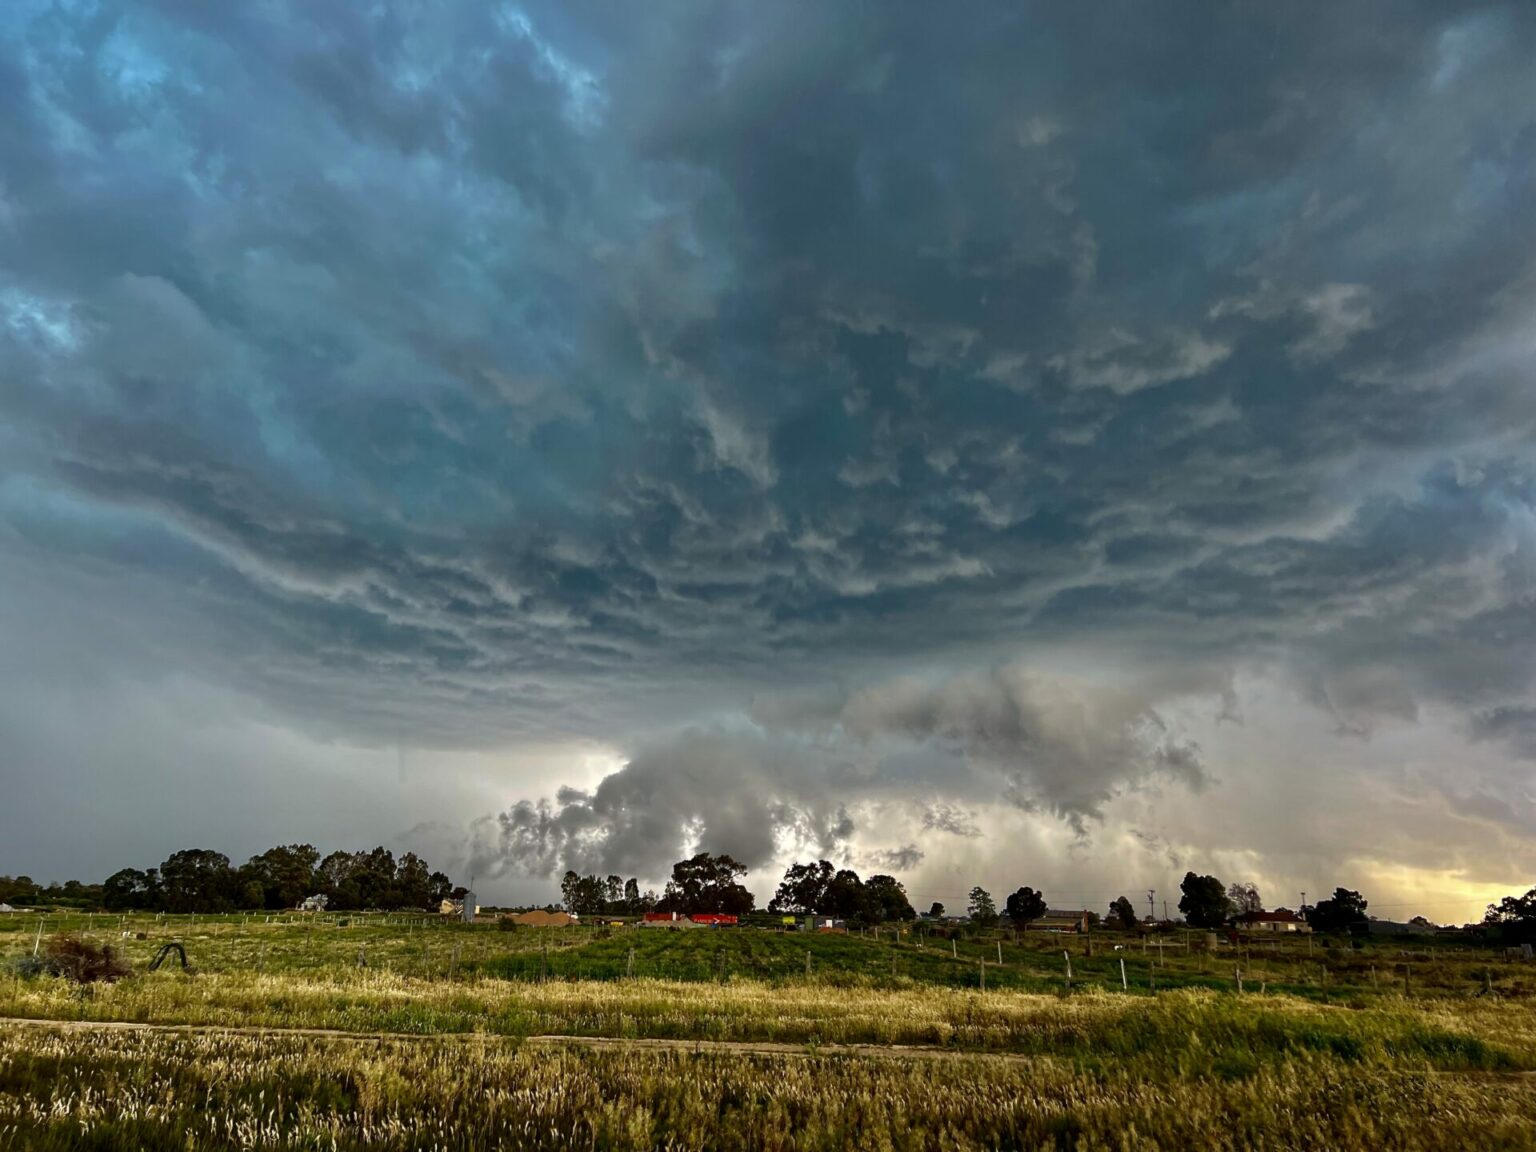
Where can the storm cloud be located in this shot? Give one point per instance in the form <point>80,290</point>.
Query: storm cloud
<point>838,428</point>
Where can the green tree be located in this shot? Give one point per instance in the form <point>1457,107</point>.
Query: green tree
<point>1343,912</point>
<point>375,878</point>
<point>980,909</point>
<point>1122,914</point>
<point>131,890</point>
<point>1024,905</point>
<point>581,895</point>
<point>707,883</point>
<point>1204,901</point>
<point>197,880</point>
<point>804,889</point>
<point>285,875</point>
<point>847,899</point>
<point>1514,918</point>
<point>936,911</point>
<point>1244,898</point>
<point>337,880</point>
<point>888,898</point>
<point>413,882</point>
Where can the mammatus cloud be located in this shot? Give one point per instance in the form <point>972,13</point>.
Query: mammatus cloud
<point>943,818</point>
<point>867,462</point>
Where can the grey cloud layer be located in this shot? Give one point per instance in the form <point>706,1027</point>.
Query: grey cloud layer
<point>462,376</point>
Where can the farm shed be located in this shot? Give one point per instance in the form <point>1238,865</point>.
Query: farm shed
<point>1280,920</point>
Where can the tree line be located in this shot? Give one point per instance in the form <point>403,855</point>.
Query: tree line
<point>708,883</point>
<point>202,880</point>
<point>704,883</point>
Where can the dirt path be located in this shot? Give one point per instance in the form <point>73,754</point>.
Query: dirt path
<point>740,1047</point>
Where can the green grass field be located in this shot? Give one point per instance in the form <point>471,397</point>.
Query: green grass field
<point>425,1037</point>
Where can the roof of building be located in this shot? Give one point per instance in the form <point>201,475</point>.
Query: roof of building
<point>1279,916</point>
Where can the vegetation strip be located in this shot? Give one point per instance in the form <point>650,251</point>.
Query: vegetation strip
<point>743,1047</point>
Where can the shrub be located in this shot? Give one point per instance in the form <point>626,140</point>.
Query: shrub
<point>83,962</point>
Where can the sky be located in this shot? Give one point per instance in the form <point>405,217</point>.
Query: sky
<point>1063,445</point>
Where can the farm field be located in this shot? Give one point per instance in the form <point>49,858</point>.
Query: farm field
<point>460,1036</point>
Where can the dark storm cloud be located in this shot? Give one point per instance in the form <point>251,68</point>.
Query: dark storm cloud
<point>459,376</point>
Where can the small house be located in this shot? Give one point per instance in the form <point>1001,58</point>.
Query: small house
<point>1280,920</point>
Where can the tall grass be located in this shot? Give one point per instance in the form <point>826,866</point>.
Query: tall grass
<point>214,1092</point>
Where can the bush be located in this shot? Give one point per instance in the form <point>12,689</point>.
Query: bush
<point>83,962</point>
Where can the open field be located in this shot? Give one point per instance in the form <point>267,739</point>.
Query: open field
<point>430,948</point>
<point>441,1037</point>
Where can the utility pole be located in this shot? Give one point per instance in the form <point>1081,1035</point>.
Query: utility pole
<point>1151,904</point>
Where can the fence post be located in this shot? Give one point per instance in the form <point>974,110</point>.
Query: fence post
<point>983,975</point>
<point>807,961</point>
<point>954,952</point>
<point>999,953</point>
<point>1237,974</point>
<point>1124,987</point>
<point>1067,956</point>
